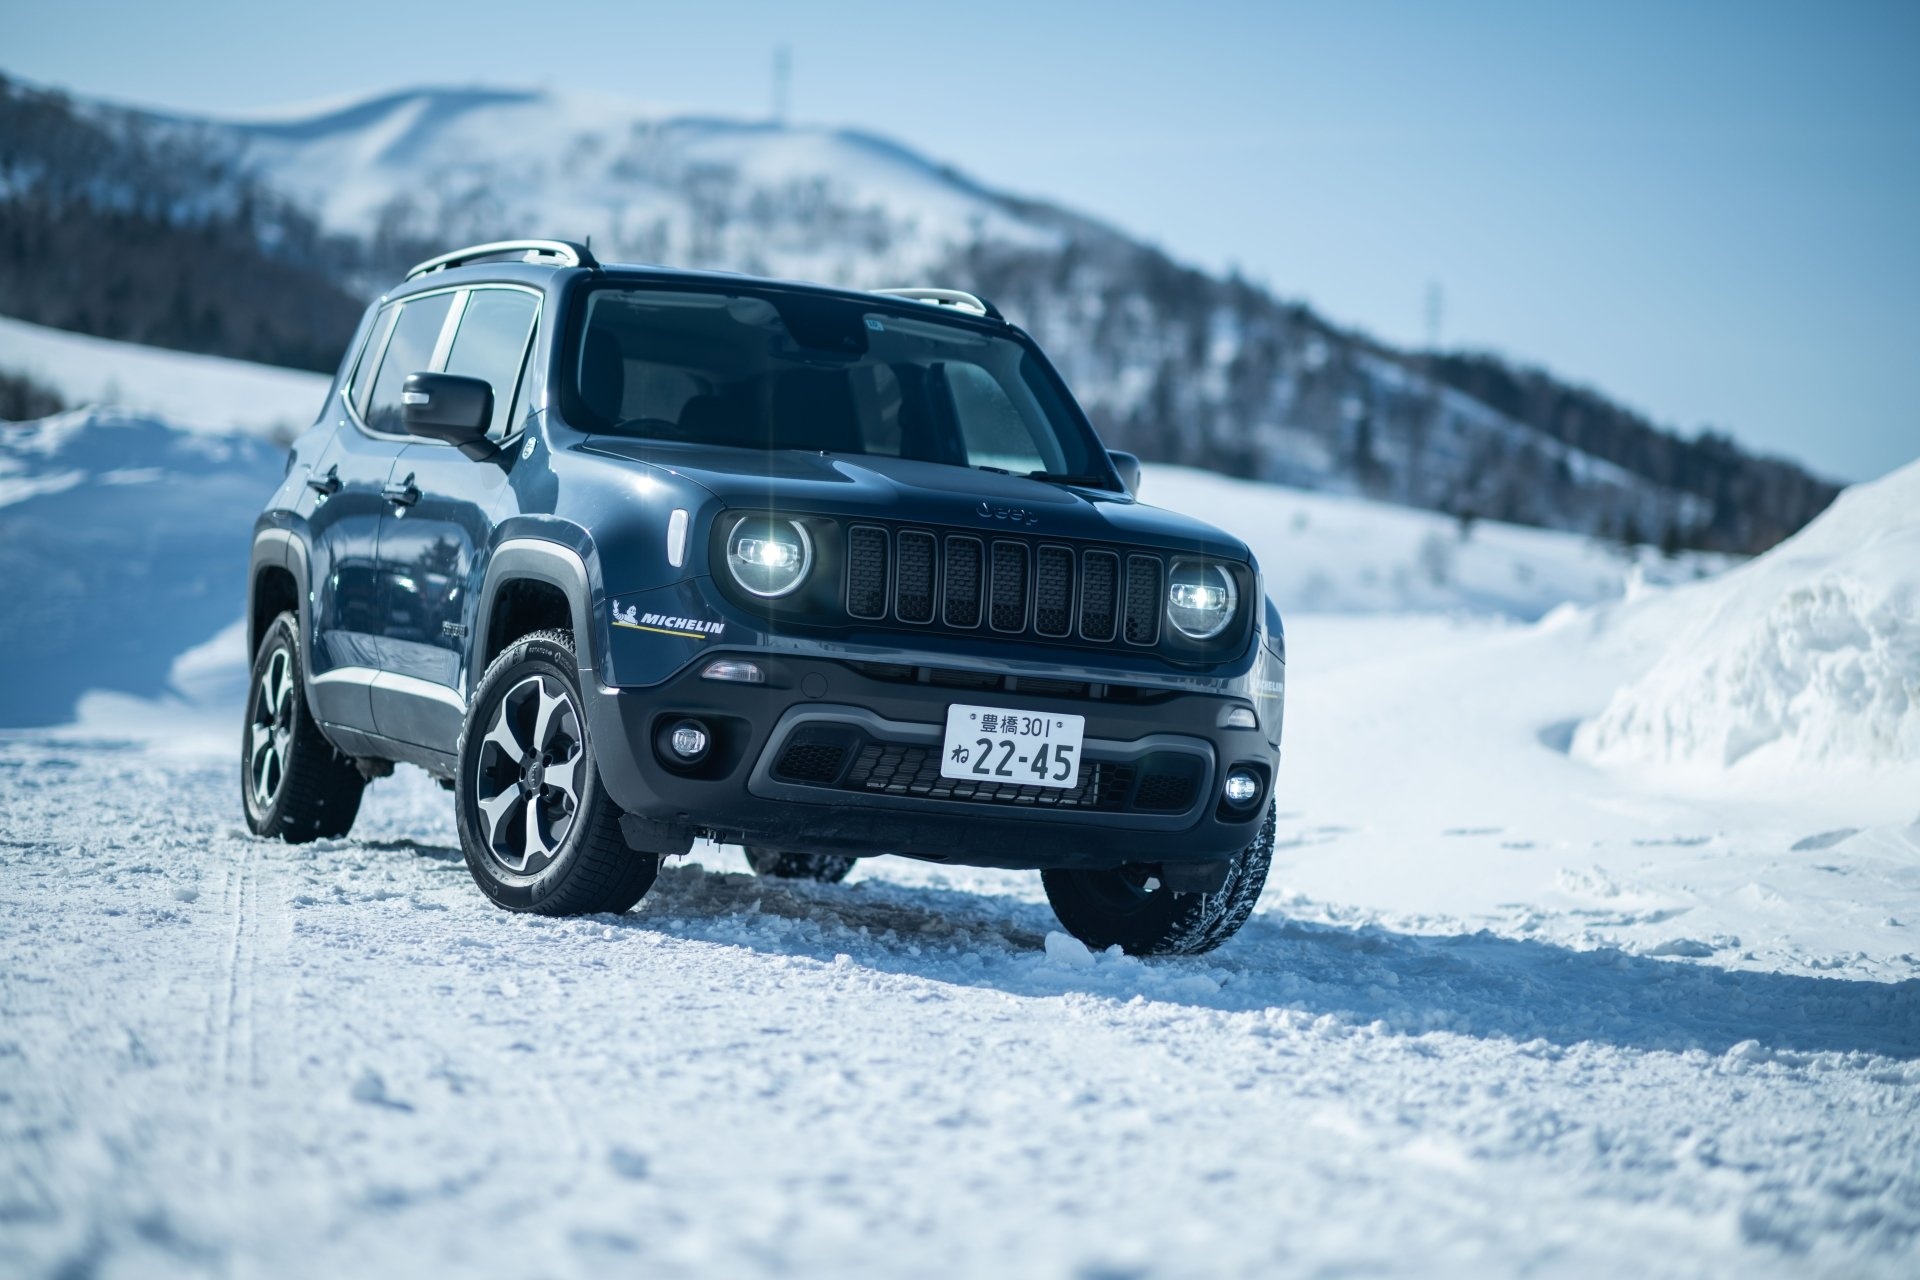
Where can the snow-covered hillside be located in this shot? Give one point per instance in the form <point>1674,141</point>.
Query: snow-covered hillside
<point>1173,363</point>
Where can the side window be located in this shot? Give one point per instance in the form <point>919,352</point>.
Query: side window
<point>491,344</point>
<point>415,334</point>
<point>362,382</point>
<point>990,423</point>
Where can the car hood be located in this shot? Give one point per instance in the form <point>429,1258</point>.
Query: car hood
<point>902,489</point>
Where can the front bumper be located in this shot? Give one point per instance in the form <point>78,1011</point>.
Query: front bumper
<point>843,756</point>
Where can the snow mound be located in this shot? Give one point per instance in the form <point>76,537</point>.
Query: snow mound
<point>1808,657</point>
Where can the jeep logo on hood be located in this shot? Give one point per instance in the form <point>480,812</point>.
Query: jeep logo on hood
<point>1012,515</point>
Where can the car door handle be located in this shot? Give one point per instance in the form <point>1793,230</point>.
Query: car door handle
<point>401,493</point>
<point>327,485</point>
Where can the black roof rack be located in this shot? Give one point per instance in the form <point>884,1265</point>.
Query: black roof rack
<point>563,253</point>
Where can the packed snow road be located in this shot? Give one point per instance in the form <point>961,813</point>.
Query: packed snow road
<point>225,1056</point>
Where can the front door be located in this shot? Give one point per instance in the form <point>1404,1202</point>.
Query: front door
<point>433,543</point>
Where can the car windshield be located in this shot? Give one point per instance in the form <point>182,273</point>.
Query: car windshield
<point>782,370</point>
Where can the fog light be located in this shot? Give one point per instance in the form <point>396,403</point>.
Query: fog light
<point>686,740</point>
<point>1239,718</point>
<point>736,670</point>
<point>1241,788</point>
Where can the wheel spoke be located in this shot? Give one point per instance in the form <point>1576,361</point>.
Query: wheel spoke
<point>281,673</point>
<point>543,721</point>
<point>501,735</point>
<point>497,811</point>
<point>563,777</point>
<point>535,842</point>
<point>266,764</point>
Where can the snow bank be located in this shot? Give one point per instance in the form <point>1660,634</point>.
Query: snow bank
<point>1808,657</point>
<point>198,393</point>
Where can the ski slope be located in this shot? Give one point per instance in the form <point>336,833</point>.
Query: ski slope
<point>1508,1006</point>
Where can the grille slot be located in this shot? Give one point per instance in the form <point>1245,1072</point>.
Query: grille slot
<point>964,561</point>
<point>1007,606</point>
<point>1099,592</point>
<point>1053,591</point>
<point>867,571</point>
<point>913,589</point>
<point>1143,600</point>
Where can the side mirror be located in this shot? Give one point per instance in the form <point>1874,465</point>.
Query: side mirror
<point>450,409</point>
<point>1128,465</point>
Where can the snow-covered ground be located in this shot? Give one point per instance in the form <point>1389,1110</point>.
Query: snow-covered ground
<point>1511,1004</point>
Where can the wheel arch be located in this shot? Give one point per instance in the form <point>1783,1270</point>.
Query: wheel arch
<point>532,584</point>
<point>277,582</point>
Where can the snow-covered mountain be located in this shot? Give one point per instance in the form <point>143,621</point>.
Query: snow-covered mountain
<point>1174,363</point>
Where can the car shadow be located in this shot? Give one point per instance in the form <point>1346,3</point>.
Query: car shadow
<point>1476,984</point>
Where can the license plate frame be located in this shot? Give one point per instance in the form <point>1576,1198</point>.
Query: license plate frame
<point>1044,749</point>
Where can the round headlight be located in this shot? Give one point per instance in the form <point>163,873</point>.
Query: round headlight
<point>1200,598</point>
<point>768,556</point>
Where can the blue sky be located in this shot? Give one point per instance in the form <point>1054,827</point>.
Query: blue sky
<point>1710,211</point>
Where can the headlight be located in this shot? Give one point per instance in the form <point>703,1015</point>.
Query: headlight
<point>1201,598</point>
<point>768,556</point>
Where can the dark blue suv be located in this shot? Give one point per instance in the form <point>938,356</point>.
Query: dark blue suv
<point>626,556</point>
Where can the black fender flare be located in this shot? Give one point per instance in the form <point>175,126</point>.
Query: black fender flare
<point>539,560</point>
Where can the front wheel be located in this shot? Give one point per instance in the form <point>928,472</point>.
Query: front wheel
<point>539,831</point>
<point>1129,906</point>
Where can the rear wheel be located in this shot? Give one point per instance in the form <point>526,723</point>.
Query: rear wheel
<point>539,830</point>
<point>828,868</point>
<point>292,781</point>
<point>1129,905</point>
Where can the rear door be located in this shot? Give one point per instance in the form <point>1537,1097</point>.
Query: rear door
<point>346,488</point>
<point>433,544</point>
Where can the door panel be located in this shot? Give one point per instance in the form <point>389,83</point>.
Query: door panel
<point>432,547</point>
<point>344,516</point>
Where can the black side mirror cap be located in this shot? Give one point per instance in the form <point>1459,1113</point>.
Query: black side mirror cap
<point>1128,465</point>
<point>451,409</point>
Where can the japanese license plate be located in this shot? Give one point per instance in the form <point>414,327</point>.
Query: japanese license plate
<point>1007,745</point>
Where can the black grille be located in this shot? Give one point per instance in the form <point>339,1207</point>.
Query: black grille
<point>1053,591</point>
<point>913,593</point>
<point>962,606</point>
<point>1143,600</point>
<point>1099,591</point>
<point>867,571</point>
<point>1165,792</point>
<point>1010,585</point>
<point>890,768</point>
<point>1007,607</point>
<point>806,760</point>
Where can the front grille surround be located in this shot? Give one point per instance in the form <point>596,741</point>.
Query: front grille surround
<point>1077,594</point>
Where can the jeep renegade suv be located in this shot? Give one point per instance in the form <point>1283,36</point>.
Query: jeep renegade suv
<point>627,556</point>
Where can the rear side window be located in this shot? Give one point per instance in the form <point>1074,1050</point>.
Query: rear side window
<point>410,350</point>
<point>491,344</point>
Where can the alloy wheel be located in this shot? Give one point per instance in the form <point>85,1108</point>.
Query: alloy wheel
<point>527,782</point>
<point>270,729</point>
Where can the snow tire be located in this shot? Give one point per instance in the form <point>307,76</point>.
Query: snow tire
<point>1129,907</point>
<point>539,831</point>
<point>294,784</point>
